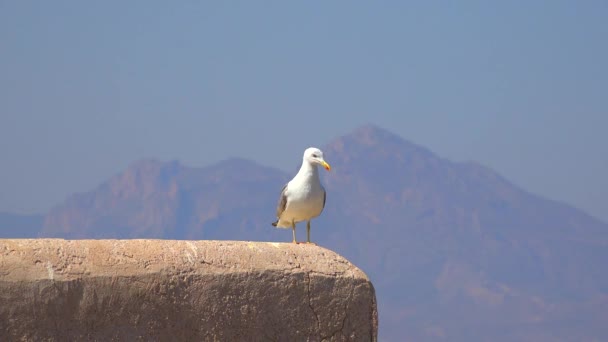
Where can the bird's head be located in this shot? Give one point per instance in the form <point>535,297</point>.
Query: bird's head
<point>315,157</point>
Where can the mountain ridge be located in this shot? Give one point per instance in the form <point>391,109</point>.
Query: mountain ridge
<point>436,237</point>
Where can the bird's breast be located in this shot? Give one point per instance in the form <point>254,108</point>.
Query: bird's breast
<point>306,200</point>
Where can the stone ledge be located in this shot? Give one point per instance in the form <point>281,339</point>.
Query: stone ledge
<point>167,290</point>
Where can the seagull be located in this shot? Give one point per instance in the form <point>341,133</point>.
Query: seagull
<point>303,197</point>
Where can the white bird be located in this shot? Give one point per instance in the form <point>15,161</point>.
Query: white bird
<point>303,197</point>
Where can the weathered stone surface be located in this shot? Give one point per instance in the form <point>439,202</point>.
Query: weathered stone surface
<point>160,290</point>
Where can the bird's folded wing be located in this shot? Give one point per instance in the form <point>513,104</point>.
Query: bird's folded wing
<point>282,201</point>
<point>324,197</point>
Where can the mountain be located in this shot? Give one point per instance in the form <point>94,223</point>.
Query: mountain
<point>17,226</point>
<point>461,253</point>
<point>172,201</point>
<point>456,252</point>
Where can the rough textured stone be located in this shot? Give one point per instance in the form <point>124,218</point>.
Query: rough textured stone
<point>163,290</point>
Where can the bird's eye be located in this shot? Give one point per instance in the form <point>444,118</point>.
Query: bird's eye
<point>315,156</point>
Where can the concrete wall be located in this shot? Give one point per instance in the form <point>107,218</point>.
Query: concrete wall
<point>164,290</point>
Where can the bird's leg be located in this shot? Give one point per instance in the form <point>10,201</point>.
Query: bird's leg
<point>308,233</point>
<point>293,229</point>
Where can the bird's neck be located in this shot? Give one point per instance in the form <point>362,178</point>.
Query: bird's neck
<point>308,170</point>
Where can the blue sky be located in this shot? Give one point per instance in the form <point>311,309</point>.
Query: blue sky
<point>87,88</point>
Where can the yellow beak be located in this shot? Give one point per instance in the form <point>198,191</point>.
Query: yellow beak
<point>325,165</point>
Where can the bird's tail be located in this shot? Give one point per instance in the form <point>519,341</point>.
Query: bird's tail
<point>281,224</point>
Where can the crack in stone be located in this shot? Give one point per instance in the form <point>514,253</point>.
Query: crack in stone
<point>348,302</point>
<point>346,309</point>
<point>310,305</point>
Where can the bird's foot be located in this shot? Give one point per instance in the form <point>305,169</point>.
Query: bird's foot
<point>295,242</point>
<point>311,243</point>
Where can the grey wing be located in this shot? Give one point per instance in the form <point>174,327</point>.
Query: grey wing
<point>324,197</point>
<point>282,201</point>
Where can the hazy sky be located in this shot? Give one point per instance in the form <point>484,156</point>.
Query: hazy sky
<point>88,88</point>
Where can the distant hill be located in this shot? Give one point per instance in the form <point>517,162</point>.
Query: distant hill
<point>456,251</point>
<point>20,226</point>
<point>168,200</point>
